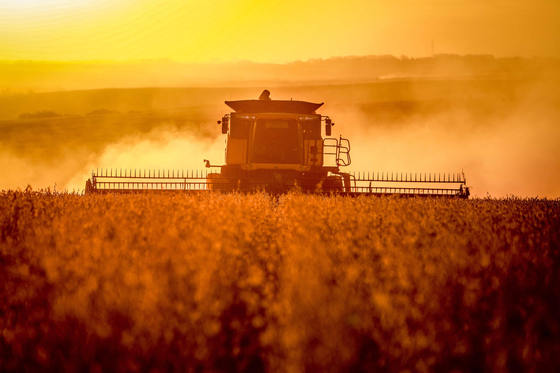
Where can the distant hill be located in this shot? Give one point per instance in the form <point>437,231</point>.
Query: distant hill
<point>211,100</point>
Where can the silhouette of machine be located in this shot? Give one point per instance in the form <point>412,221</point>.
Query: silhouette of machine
<point>277,146</point>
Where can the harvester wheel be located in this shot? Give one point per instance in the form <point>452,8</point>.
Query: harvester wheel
<point>89,187</point>
<point>333,184</point>
<point>215,181</point>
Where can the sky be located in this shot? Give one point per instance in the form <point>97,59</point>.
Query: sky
<point>274,31</point>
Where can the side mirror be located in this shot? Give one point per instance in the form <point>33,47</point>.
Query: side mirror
<point>224,123</point>
<point>328,126</point>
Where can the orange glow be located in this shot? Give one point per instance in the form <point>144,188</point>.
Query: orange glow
<point>272,31</point>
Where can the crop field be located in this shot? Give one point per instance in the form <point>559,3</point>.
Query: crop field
<point>296,283</point>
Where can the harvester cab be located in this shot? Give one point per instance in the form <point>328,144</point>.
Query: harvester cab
<point>278,146</point>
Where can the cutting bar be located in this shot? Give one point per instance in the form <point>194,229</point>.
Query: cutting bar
<point>351,184</point>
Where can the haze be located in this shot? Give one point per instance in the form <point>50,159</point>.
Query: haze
<point>274,31</point>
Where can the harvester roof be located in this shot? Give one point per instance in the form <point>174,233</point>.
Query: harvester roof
<point>273,106</point>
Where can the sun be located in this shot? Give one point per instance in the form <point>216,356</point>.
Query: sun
<point>41,3</point>
<point>31,13</point>
<point>47,5</point>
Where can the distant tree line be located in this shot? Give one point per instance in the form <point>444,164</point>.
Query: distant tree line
<point>39,114</point>
<point>52,114</point>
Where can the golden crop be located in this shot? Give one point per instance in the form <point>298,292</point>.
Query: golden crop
<point>295,283</point>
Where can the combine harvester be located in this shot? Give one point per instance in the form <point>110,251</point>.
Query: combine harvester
<point>277,146</point>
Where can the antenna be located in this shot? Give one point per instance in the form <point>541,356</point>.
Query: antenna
<point>433,54</point>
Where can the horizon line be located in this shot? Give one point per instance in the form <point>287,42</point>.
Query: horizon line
<point>238,61</point>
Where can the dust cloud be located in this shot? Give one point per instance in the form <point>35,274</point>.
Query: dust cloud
<point>102,129</point>
<point>508,159</point>
<point>505,144</point>
<point>20,172</point>
<point>164,148</point>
